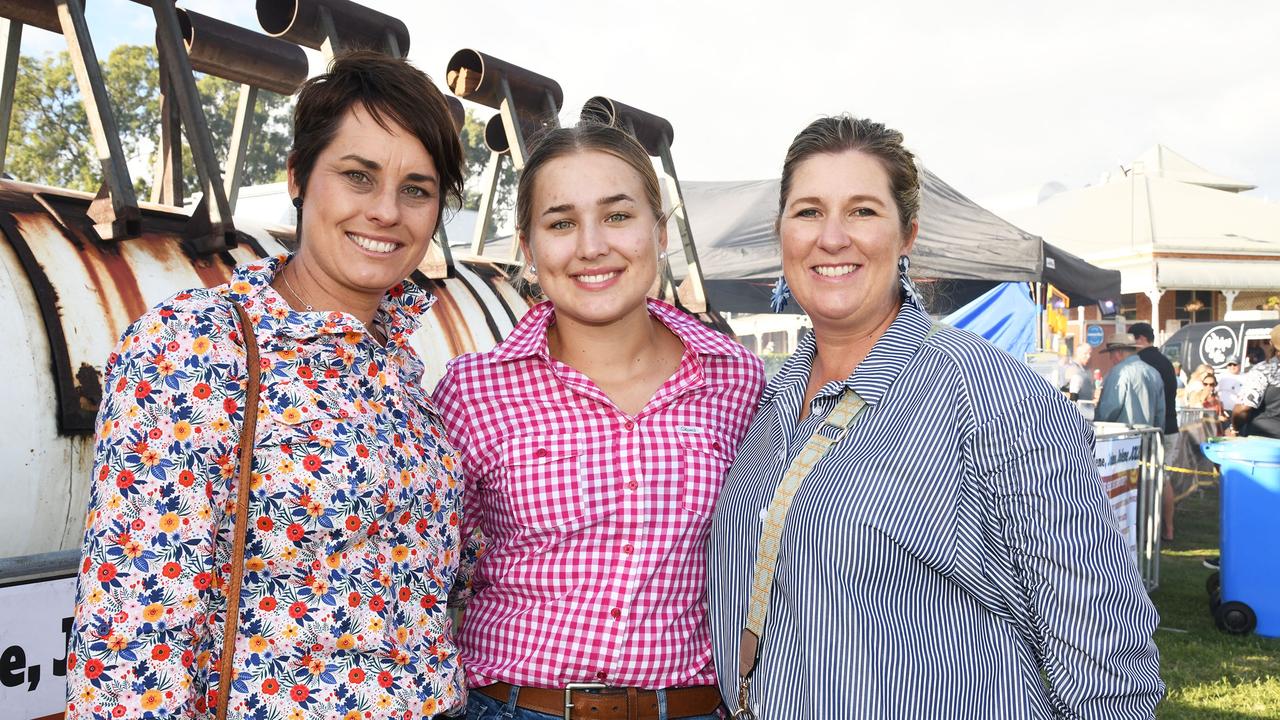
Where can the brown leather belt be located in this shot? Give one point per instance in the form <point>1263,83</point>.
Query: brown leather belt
<point>590,701</point>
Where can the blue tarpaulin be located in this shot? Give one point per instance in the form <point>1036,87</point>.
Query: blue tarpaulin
<point>1004,315</point>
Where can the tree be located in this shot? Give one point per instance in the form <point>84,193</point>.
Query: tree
<point>50,143</point>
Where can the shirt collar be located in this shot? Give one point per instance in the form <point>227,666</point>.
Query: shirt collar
<point>400,312</point>
<point>877,372</point>
<point>529,337</point>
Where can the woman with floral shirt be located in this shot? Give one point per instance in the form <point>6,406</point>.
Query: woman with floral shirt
<point>353,513</point>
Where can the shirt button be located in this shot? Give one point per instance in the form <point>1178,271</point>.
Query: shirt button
<point>541,452</point>
<point>602,675</point>
<point>632,485</point>
<point>764,514</point>
<point>715,446</point>
<point>615,613</point>
<point>626,549</point>
<point>629,425</point>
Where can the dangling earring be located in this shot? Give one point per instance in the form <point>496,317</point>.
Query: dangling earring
<point>297,223</point>
<point>781,294</point>
<point>908,288</point>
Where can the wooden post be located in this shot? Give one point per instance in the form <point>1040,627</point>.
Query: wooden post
<point>115,211</point>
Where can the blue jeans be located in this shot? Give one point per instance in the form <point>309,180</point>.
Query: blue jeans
<point>483,707</point>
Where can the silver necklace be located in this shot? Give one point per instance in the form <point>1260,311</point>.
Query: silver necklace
<point>284,276</point>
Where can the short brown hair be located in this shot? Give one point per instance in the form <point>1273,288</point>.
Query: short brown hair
<point>585,136</point>
<point>392,91</point>
<point>834,135</point>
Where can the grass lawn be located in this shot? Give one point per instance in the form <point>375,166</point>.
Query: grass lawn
<point>1210,674</point>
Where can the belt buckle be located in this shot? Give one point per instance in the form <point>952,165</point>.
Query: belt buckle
<point>568,693</point>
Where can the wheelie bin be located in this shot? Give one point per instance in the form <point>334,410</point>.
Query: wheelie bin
<point>1249,583</point>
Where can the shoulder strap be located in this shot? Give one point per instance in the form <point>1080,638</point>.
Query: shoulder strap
<point>248,431</point>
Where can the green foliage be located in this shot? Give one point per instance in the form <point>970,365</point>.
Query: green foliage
<point>50,141</point>
<point>1210,674</point>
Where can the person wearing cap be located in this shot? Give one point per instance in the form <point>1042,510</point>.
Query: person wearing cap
<point>1257,408</point>
<point>1229,381</point>
<point>1132,392</point>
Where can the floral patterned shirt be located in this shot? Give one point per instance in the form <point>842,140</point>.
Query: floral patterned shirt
<point>353,518</point>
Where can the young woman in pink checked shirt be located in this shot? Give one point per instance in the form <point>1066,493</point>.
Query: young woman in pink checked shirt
<point>594,440</point>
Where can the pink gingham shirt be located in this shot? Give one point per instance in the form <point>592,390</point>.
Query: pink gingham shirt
<point>585,528</point>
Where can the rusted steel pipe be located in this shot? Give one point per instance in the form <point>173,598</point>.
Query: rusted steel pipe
<point>475,76</point>
<point>242,55</point>
<point>651,130</point>
<point>36,13</point>
<point>299,21</point>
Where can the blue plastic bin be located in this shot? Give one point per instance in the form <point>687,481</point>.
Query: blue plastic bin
<point>1250,570</point>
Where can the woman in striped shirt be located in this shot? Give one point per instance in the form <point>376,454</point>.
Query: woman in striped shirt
<point>594,441</point>
<point>948,552</point>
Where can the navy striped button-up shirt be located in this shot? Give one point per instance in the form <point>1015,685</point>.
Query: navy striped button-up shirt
<point>954,556</point>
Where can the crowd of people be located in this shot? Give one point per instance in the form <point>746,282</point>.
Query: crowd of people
<point>626,520</point>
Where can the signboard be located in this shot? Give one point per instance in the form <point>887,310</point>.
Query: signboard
<point>1118,461</point>
<point>35,620</point>
<point>1218,346</point>
<point>1094,335</point>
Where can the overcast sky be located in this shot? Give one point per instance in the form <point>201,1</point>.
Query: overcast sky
<point>996,97</point>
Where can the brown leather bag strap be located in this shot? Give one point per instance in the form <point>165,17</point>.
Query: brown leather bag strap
<point>226,664</point>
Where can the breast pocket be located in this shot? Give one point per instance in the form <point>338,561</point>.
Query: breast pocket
<point>545,480</point>
<point>706,460</point>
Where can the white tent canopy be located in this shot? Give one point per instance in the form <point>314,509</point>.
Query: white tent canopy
<point>1163,233</point>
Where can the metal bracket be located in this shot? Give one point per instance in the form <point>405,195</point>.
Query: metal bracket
<point>11,37</point>
<point>117,217</point>
<point>211,227</point>
<point>692,292</point>
<point>239,144</point>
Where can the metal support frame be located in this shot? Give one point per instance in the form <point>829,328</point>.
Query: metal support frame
<point>232,175</point>
<point>115,210</point>
<point>484,214</point>
<point>211,228</point>
<point>166,183</point>
<point>11,37</point>
<point>692,292</point>
<point>330,46</point>
<point>511,123</point>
